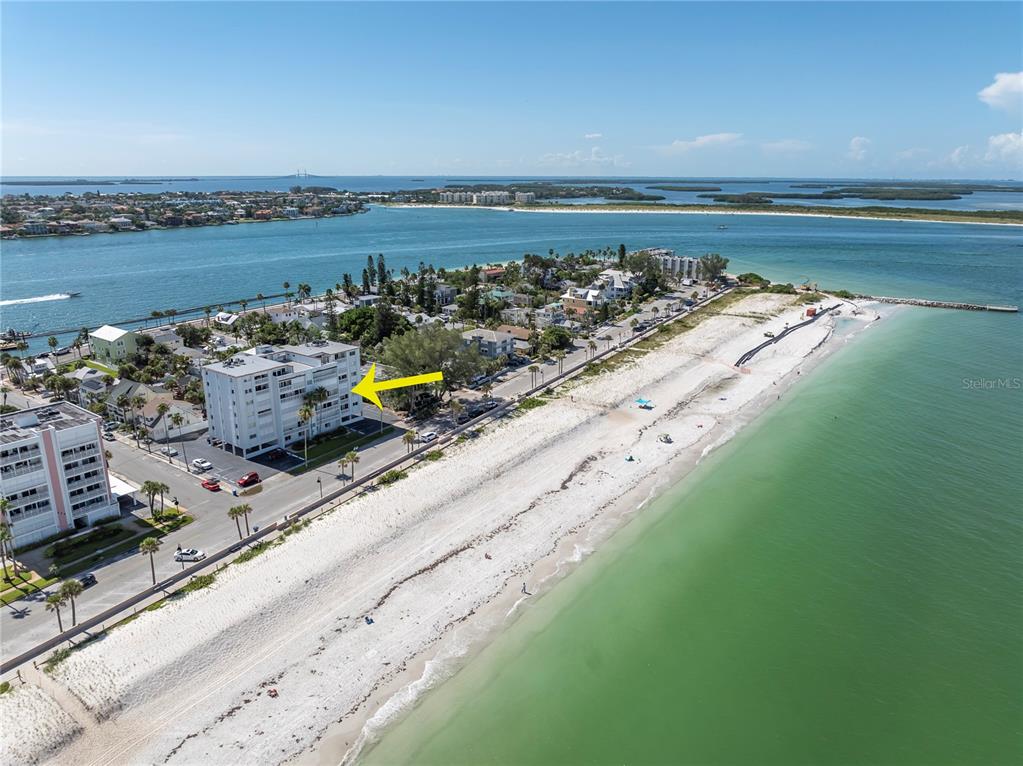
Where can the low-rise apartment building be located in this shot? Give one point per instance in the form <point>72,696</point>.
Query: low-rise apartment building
<point>53,471</point>
<point>253,398</point>
<point>491,344</point>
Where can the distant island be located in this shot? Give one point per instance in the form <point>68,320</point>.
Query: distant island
<point>89,182</point>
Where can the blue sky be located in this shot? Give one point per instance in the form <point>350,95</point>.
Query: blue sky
<point>674,89</point>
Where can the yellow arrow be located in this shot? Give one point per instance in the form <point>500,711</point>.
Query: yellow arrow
<point>367,387</point>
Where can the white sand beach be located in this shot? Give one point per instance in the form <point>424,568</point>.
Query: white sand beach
<point>435,560</point>
<point>653,210</point>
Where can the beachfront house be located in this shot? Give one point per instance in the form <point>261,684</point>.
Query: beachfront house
<point>112,345</point>
<point>491,344</point>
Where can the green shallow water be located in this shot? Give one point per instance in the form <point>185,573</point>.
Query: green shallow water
<point>840,584</point>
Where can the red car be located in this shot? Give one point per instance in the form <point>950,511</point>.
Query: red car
<point>211,484</point>
<point>248,479</point>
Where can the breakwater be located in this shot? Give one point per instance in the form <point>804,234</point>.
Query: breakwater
<point>939,304</point>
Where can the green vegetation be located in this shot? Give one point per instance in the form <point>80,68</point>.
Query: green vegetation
<point>531,403</point>
<point>58,656</point>
<point>254,551</point>
<point>431,349</point>
<point>786,289</point>
<point>198,583</point>
<point>101,367</point>
<point>842,294</point>
<point>751,278</point>
<point>5,687</point>
<point>25,583</point>
<point>433,455</point>
<point>390,477</point>
<point>330,447</point>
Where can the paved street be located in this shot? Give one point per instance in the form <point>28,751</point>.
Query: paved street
<point>26,623</point>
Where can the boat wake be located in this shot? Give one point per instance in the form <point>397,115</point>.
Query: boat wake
<point>39,299</point>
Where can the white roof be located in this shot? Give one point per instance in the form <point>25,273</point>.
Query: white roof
<point>108,333</point>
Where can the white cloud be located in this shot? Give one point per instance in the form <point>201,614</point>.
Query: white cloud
<point>858,148</point>
<point>1006,92</point>
<point>709,141</point>
<point>958,156</point>
<point>1005,147</point>
<point>912,153</point>
<point>593,136</point>
<point>594,158</point>
<point>786,146</point>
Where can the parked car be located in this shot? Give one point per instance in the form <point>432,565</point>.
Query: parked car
<point>489,405</point>
<point>168,451</point>
<point>211,484</point>
<point>190,554</point>
<point>249,479</point>
<point>276,454</point>
<point>202,464</point>
<point>86,579</point>
<point>429,436</point>
<point>109,436</point>
<point>463,417</point>
<point>62,350</point>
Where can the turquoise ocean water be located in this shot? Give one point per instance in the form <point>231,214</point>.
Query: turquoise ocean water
<point>838,585</point>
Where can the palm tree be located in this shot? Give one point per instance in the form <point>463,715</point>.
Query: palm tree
<point>52,343</point>
<point>236,512</point>
<point>5,540</point>
<point>161,488</point>
<point>533,370</point>
<point>149,547</point>
<point>244,304</point>
<point>315,398</point>
<point>69,589</point>
<point>5,390</point>
<point>151,489</point>
<point>53,604</point>
<point>457,408</point>
<point>207,311</point>
<point>262,298</point>
<point>487,389</point>
<point>177,420</point>
<point>409,437</point>
<point>304,291</point>
<point>305,414</point>
<point>162,409</point>
<point>592,346</point>
<point>352,458</point>
<point>286,285</point>
<point>137,403</point>
<point>560,356</point>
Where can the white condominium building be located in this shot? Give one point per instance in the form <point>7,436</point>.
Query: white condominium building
<point>676,266</point>
<point>463,197</point>
<point>253,398</point>
<point>525,198</point>
<point>53,471</point>
<point>491,198</point>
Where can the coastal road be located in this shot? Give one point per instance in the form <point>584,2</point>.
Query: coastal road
<point>25,623</point>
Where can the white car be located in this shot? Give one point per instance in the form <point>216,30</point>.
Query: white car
<point>201,464</point>
<point>169,451</point>
<point>190,554</point>
<point>429,436</point>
